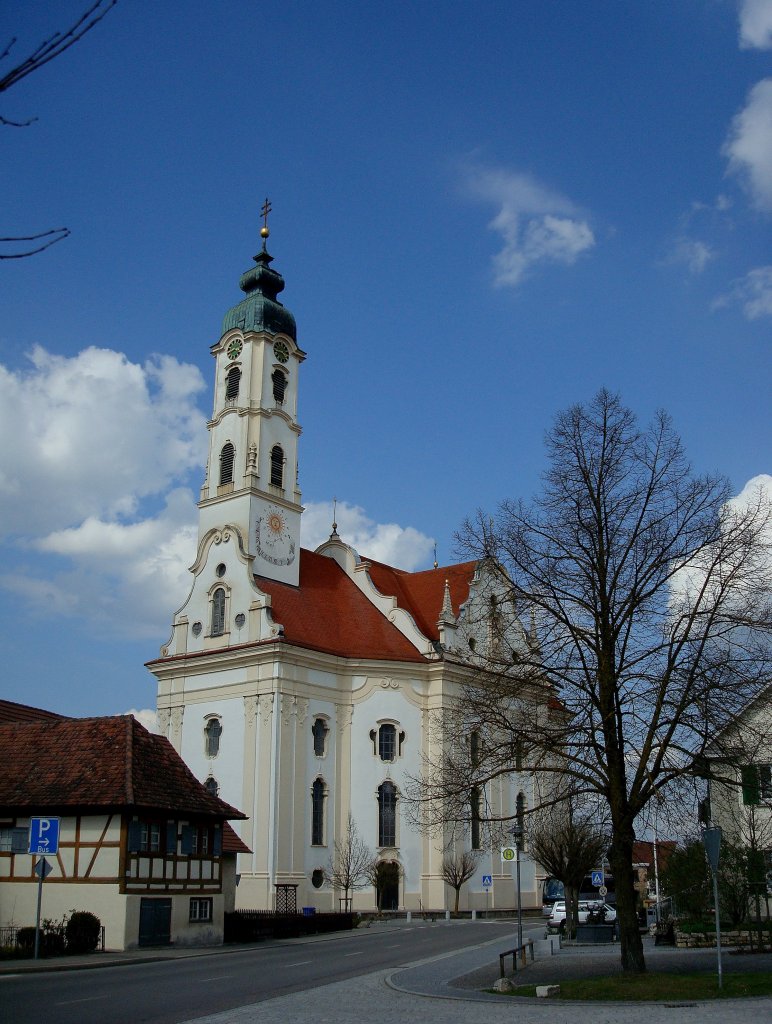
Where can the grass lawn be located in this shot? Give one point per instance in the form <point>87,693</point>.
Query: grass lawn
<point>661,987</point>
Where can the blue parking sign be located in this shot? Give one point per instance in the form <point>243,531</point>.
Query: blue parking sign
<point>44,835</point>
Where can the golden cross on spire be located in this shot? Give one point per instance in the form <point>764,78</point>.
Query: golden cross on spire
<point>264,232</point>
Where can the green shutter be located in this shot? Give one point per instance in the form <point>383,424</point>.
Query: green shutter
<point>20,840</point>
<point>186,845</point>
<point>750,784</point>
<point>217,847</point>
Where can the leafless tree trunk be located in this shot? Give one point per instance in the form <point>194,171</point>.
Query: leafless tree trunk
<point>636,619</point>
<point>351,866</point>
<point>458,868</point>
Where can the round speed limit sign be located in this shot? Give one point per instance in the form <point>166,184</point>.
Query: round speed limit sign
<point>602,890</point>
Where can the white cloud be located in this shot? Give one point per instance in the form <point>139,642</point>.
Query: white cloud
<point>93,434</point>
<point>401,546</point>
<point>753,293</point>
<point>756,24</point>
<point>749,145</point>
<point>98,444</point>
<point>536,224</point>
<point>693,254</point>
<point>146,717</point>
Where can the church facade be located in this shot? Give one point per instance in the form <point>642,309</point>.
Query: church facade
<point>298,685</point>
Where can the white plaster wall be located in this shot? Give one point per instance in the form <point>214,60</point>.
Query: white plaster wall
<point>227,766</point>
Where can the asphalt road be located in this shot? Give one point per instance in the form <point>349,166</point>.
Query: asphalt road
<point>171,991</point>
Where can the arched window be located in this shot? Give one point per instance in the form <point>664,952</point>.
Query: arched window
<point>212,734</point>
<point>218,612</point>
<point>319,731</point>
<point>211,784</point>
<point>277,466</point>
<point>475,816</point>
<point>387,814</point>
<point>227,455</point>
<point>317,878</point>
<point>232,381</point>
<point>317,813</point>
<point>387,742</point>
<point>279,379</point>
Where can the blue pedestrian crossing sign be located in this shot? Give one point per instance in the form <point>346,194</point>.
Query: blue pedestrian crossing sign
<point>44,835</point>
<point>597,878</point>
<point>487,881</point>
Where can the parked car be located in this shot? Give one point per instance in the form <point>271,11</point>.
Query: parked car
<point>557,919</point>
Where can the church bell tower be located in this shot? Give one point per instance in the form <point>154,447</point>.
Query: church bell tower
<point>252,470</point>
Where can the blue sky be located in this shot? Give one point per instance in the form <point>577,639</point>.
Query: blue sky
<point>482,215</point>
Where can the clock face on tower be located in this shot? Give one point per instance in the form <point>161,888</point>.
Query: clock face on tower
<point>273,538</point>
<point>281,351</point>
<point>234,349</point>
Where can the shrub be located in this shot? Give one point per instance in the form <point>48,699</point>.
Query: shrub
<point>82,932</point>
<point>25,940</point>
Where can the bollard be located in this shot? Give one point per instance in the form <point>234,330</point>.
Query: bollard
<point>474,915</point>
<point>447,915</point>
<point>410,915</point>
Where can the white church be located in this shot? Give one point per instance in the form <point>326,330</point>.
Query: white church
<point>299,685</point>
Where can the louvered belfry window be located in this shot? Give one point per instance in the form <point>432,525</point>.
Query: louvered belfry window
<point>279,385</point>
<point>277,466</point>
<point>227,457</point>
<point>232,382</point>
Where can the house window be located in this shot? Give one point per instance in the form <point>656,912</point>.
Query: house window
<point>212,734</point>
<point>227,456</point>
<point>201,908</point>
<point>279,380</point>
<point>232,381</point>
<point>387,814</point>
<point>218,612</point>
<point>14,840</point>
<point>200,840</point>
<point>319,731</point>
<point>317,813</point>
<point>474,801</point>
<point>756,783</point>
<point>277,466</point>
<point>150,837</point>
<point>212,786</point>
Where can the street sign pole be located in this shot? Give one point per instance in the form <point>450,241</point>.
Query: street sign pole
<point>41,875</point>
<point>711,839</point>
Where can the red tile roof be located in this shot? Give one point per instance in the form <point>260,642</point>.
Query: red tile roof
<point>98,763</point>
<point>10,712</point>
<point>422,593</point>
<point>329,613</point>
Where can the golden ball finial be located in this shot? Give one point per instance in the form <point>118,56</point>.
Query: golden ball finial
<point>264,232</point>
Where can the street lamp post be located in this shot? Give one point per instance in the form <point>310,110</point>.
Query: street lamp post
<point>517,834</point>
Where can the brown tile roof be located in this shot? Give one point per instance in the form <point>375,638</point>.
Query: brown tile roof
<point>10,712</point>
<point>98,763</point>
<point>422,593</point>
<point>232,843</point>
<point>329,613</point>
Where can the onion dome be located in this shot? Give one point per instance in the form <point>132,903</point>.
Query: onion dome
<point>261,310</point>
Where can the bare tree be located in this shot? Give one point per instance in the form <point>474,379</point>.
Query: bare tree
<point>457,868</point>
<point>351,866</point>
<point>635,617</point>
<point>568,847</point>
<point>47,51</point>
